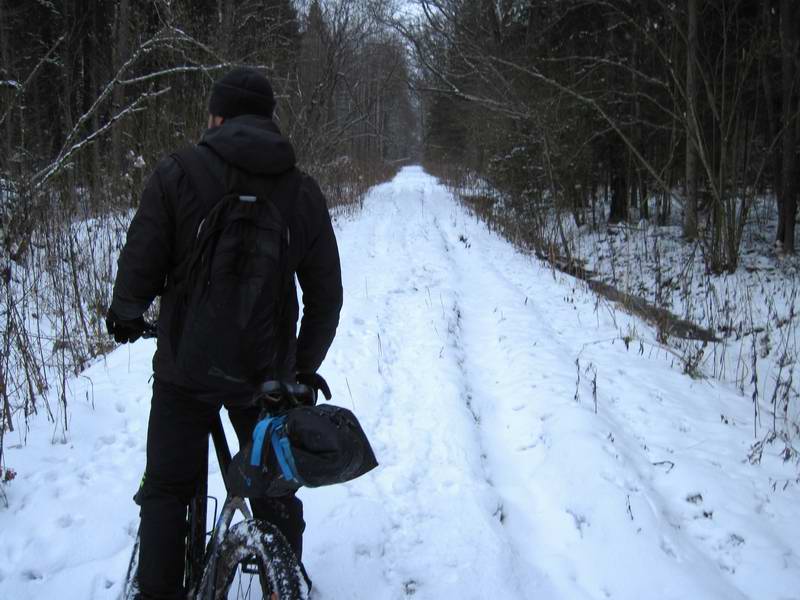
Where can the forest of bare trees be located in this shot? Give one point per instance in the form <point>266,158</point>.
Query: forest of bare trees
<point>654,106</point>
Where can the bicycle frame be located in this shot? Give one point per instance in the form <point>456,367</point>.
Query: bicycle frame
<point>200,558</point>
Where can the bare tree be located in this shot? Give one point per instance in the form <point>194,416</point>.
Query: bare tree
<point>690,210</point>
<point>789,183</point>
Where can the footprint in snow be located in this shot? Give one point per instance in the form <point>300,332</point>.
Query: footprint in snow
<point>106,440</point>
<point>85,477</point>
<point>65,521</point>
<point>410,587</point>
<point>729,552</point>
<point>734,540</point>
<point>610,450</point>
<point>668,549</point>
<point>579,521</point>
<point>697,500</point>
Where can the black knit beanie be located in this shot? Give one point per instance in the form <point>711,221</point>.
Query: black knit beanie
<point>242,91</point>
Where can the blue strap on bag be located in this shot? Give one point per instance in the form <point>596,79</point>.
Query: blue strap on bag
<point>274,430</point>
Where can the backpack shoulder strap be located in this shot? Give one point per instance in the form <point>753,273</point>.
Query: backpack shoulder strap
<point>208,188</point>
<point>291,193</point>
<point>287,208</point>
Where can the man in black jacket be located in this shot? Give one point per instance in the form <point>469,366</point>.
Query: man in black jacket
<point>241,139</point>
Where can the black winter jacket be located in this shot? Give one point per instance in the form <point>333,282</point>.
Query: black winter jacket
<point>161,234</point>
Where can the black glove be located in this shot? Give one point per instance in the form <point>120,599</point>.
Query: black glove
<point>124,330</point>
<point>316,382</point>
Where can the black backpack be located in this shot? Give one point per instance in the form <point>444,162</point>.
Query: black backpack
<point>226,328</point>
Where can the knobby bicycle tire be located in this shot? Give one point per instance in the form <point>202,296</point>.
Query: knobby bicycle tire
<point>259,540</point>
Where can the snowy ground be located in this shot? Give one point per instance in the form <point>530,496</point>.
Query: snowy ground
<point>501,476</point>
<point>753,311</point>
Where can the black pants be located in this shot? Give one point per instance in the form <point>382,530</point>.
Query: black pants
<point>177,446</point>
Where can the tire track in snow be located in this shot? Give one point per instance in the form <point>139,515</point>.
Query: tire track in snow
<point>428,423</point>
<point>439,535</point>
<point>532,582</point>
<point>494,384</point>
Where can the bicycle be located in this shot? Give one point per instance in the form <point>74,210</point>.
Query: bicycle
<point>249,558</point>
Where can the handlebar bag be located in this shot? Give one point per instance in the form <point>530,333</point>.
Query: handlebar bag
<point>308,446</point>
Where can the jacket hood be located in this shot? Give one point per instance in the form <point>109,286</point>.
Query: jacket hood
<point>251,143</point>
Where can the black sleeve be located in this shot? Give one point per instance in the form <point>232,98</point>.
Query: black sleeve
<point>144,262</point>
<point>320,276</point>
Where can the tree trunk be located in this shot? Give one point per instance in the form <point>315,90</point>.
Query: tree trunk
<point>93,76</point>
<point>225,10</point>
<point>619,186</point>
<point>789,179</point>
<point>690,212</point>
<point>4,57</point>
<point>121,51</point>
<point>772,126</point>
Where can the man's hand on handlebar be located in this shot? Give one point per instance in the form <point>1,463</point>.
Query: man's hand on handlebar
<point>304,392</point>
<point>315,382</point>
<point>126,330</point>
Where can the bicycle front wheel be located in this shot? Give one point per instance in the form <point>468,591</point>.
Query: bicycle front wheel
<point>255,561</point>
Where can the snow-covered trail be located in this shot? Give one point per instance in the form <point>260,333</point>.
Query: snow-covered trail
<point>501,476</point>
